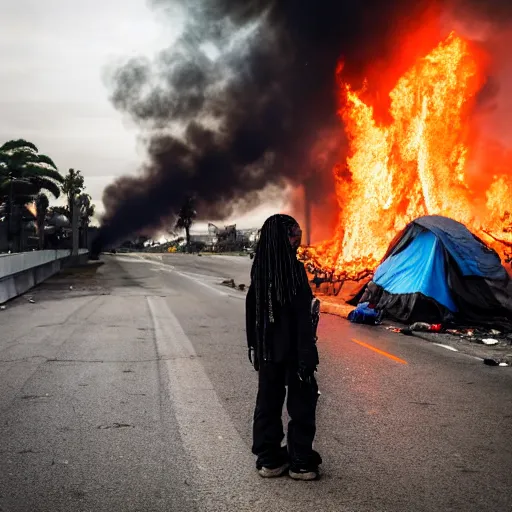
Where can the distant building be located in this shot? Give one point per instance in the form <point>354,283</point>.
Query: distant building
<point>204,238</point>
<point>227,238</point>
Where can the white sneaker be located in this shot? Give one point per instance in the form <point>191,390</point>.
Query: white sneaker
<point>273,473</point>
<point>305,475</point>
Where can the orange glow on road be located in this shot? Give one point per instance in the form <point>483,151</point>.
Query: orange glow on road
<point>379,351</point>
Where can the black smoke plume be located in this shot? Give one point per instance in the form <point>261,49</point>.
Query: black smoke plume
<point>239,100</point>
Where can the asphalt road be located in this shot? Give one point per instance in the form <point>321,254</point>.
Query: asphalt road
<point>132,392</point>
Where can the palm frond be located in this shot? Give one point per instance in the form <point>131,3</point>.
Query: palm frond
<point>37,170</point>
<point>15,145</point>
<point>43,183</point>
<point>15,159</point>
<point>45,159</point>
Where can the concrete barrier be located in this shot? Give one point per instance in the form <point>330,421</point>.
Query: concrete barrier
<point>21,271</point>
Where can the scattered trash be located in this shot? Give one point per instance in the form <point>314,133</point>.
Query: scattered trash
<point>34,397</point>
<point>116,425</point>
<point>419,326</point>
<point>495,332</point>
<point>3,308</point>
<point>241,287</point>
<point>365,314</point>
<point>490,341</point>
<point>424,327</point>
<point>493,362</point>
<point>398,330</point>
<point>65,462</point>
<point>31,300</point>
<point>70,287</point>
<point>229,282</point>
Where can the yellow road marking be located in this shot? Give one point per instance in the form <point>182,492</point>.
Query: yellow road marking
<point>379,351</point>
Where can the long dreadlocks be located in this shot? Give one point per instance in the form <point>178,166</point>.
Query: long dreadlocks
<point>277,276</point>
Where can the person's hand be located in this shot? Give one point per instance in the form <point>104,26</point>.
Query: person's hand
<point>306,375</point>
<point>253,358</point>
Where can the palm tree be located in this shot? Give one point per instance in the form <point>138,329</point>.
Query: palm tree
<point>24,173</point>
<point>72,186</point>
<point>186,217</point>
<point>86,209</point>
<point>42,204</point>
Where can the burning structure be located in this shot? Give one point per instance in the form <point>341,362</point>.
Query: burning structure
<point>415,162</point>
<point>259,110</point>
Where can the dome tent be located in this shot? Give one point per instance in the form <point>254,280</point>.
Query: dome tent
<point>436,270</point>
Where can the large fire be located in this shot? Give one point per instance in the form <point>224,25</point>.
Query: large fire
<point>414,163</point>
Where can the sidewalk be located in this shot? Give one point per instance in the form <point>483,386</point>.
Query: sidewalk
<point>334,306</point>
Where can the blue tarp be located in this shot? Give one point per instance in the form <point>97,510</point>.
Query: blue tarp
<point>364,314</point>
<point>419,268</point>
<point>471,255</point>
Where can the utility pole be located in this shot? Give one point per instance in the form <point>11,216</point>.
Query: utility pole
<point>9,226</point>
<point>307,212</point>
<point>74,227</point>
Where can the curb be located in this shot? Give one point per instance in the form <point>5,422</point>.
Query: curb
<point>335,308</point>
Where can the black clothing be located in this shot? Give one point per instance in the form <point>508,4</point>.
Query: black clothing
<point>282,346</point>
<point>291,334</point>
<point>277,280</point>
<point>292,344</point>
<point>268,426</point>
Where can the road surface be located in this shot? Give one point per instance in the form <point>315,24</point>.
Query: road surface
<point>129,389</point>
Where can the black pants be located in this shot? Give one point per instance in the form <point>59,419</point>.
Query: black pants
<point>268,425</point>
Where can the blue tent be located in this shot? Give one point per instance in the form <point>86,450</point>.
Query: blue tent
<point>436,270</point>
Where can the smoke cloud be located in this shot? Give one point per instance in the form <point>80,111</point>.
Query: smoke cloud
<point>242,100</point>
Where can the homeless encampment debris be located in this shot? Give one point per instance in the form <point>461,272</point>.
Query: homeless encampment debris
<point>437,271</point>
<point>365,314</point>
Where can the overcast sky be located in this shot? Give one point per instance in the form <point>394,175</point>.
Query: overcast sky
<point>52,91</point>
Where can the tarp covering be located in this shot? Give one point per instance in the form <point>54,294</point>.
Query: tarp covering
<point>436,270</point>
<point>419,268</point>
<point>470,254</point>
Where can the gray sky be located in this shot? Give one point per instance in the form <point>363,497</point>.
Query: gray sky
<point>52,92</point>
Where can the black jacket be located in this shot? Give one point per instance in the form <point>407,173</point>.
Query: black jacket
<point>292,339</point>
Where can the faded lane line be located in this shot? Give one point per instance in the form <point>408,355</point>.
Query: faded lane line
<point>379,351</point>
<point>172,270</point>
<point>224,476</point>
<point>202,283</point>
<point>206,285</point>
<point>447,347</point>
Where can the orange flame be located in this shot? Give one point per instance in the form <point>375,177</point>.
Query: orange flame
<point>413,165</point>
<point>31,207</point>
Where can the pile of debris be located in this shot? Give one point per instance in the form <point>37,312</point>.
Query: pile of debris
<point>230,283</point>
<point>495,346</point>
<point>489,337</point>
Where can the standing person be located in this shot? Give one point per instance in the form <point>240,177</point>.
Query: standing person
<point>281,319</point>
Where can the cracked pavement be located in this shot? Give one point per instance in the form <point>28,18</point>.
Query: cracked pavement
<point>126,387</point>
